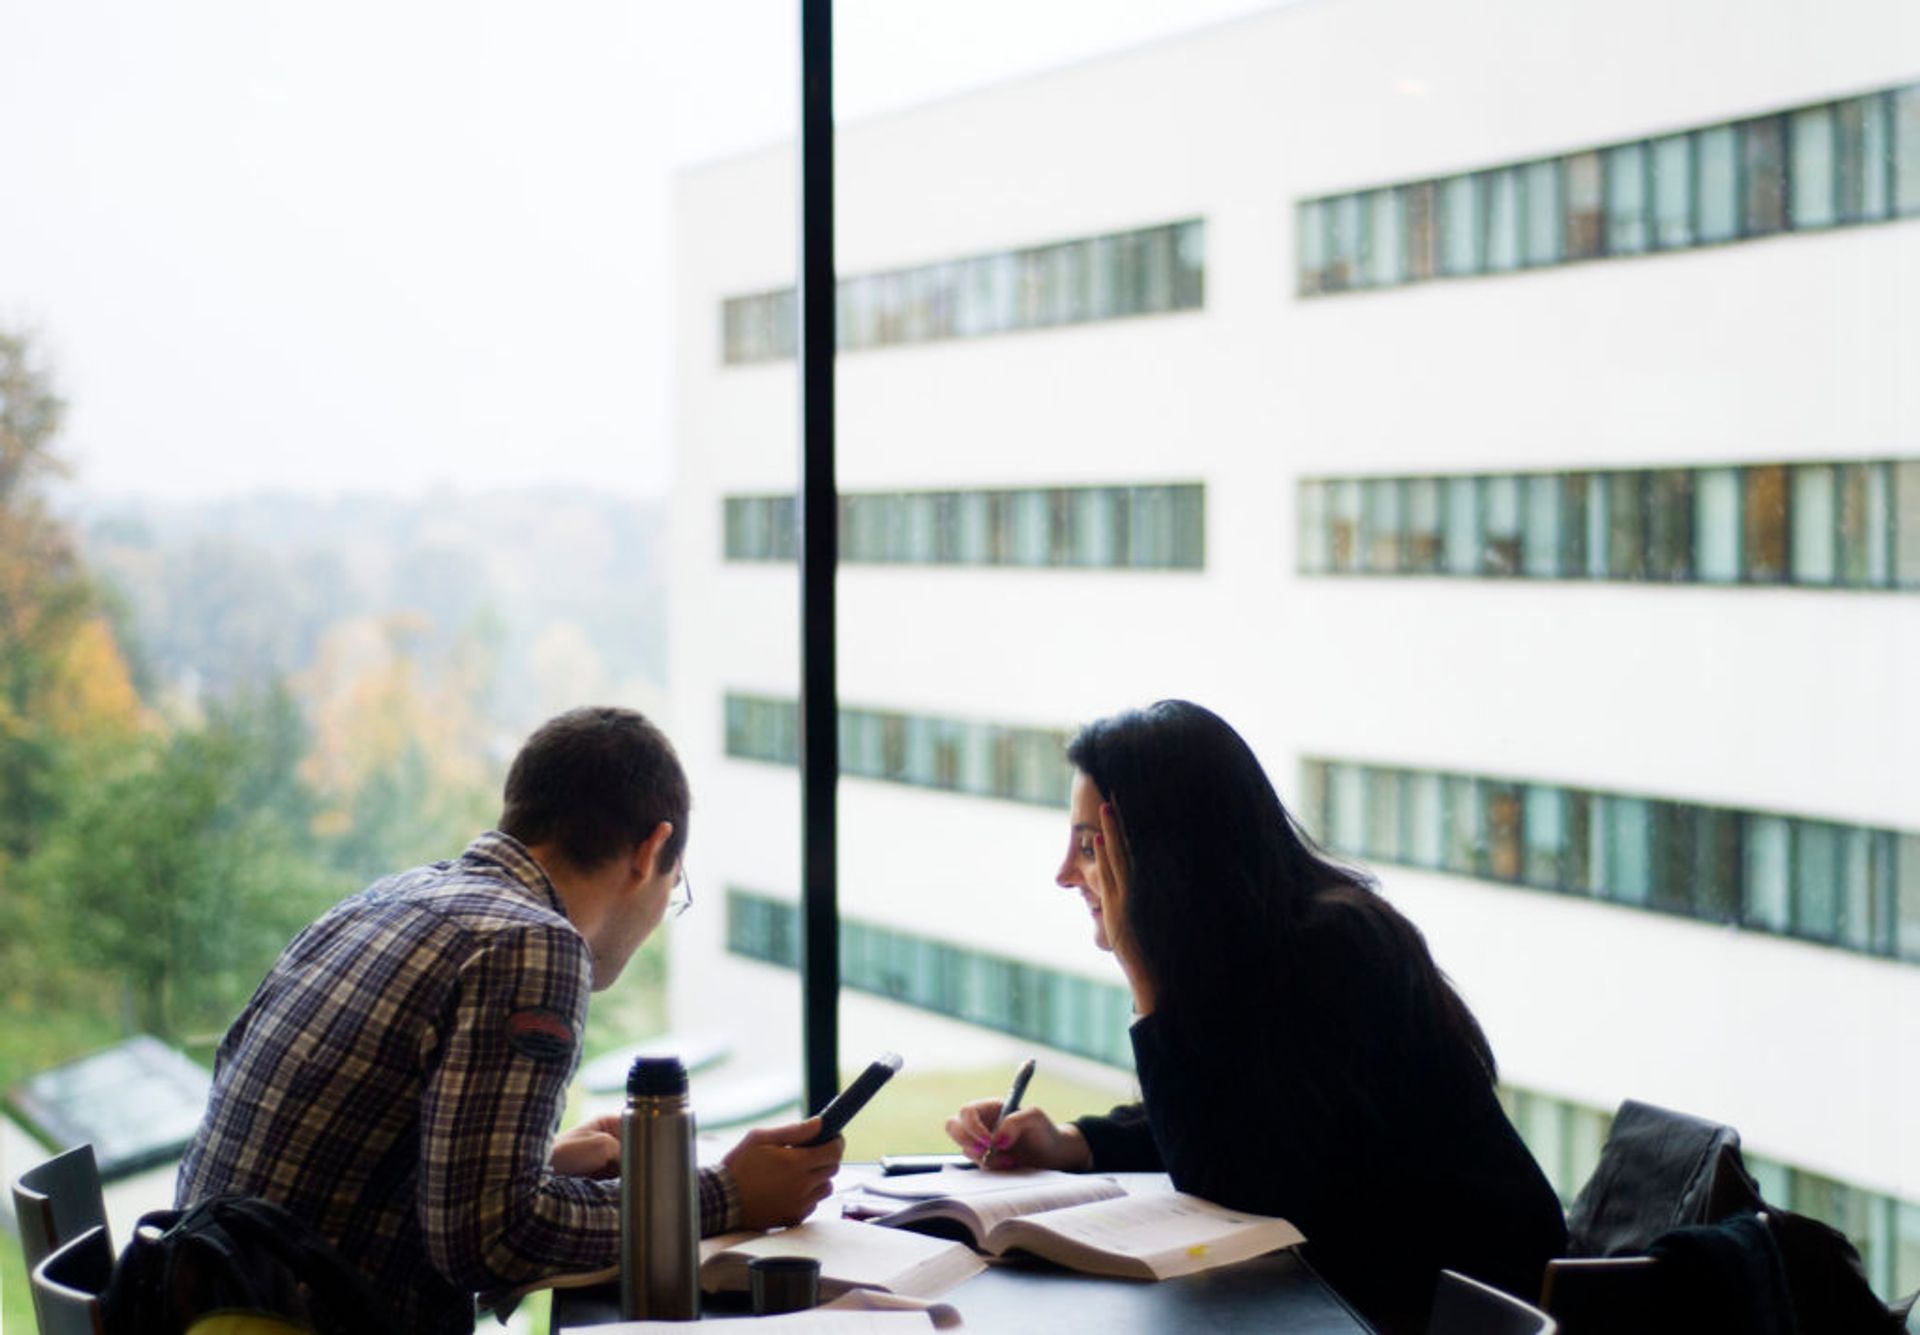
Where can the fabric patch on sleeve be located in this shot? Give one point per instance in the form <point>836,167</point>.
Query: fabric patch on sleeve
<point>542,1034</point>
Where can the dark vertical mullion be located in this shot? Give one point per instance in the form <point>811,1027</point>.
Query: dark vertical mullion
<point>819,515</point>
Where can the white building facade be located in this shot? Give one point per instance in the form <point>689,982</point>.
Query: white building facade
<point>1506,415</point>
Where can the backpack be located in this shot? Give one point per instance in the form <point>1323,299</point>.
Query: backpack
<point>238,1253</point>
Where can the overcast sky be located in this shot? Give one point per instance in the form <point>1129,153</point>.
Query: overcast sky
<point>390,244</point>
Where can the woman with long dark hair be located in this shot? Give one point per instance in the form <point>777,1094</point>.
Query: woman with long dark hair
<point>1299,1052</point>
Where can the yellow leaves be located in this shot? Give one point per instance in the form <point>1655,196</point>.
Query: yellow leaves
<point>91,693</point>
<point>372,705</point>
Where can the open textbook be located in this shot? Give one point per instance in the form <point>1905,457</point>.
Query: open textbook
<point>1085,1222</point>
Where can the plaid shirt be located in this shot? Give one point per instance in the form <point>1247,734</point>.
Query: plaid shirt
<point>398,1078</point>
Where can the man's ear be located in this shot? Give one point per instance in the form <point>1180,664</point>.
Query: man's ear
<point>646,857</point>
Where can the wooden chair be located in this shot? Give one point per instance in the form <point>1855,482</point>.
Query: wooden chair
<point>57,1201</point>
<point>1463,1306</point>
<point>67,1285</point>
<point>1601,1295</point>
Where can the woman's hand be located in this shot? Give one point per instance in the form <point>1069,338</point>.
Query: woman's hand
<point>591,1149</point>
<point>1111,867</point>
<point>1027,1139</point>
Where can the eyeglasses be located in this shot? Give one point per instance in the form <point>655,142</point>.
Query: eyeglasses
<point>682,897</point>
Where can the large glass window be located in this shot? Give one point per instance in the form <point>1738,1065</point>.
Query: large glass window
<point>1717,525</point>
<point>1764,523</point>
<point>1906,150</point>
<point>1463,526</point>
<point>1768,872</point>
<point>1763,175</point>
<point>1422,231</point>
<point>1628,232</point>
<point>1545,216</point>
<point>1501,496</point>
<point>1460,233</point>
<point>1424,526</point>
<point>1864,158</point>
<point>1811,136</point>
<point>1501,194</point>
<point>1545,523</point>
<point>1811,524</point>
<point>1815,525</point>
<point>1386,239</point>
<point>1310,240</point>
<point>1672,161</point>
<point>1582,180</point>
<point>1717,168</point>
<point>1384,526</point>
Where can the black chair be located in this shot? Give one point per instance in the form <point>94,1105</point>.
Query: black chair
<point>67,1285</point>
<point>1464,1306</point>
<point>57,1201</point>
<point>1601,1296</point>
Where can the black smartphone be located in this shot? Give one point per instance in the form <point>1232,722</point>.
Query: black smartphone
<point>893,1165</point>
<point>841,1108</point>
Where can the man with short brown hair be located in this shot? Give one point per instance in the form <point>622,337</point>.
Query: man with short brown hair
<point>397,1078</point>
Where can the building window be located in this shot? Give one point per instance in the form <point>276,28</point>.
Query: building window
<point>1016,764</point>
<point>1386,239</point>
<point>1460,252</point>
<point>1764,523</point>
<point>1763,176</point>
<point>1849,525</point>
<point>1810,135</point>
<point>1030,1001</point>
<point>1628,232</point>
<point>1540,199</point>
<point>1672,160</point>
<point>1808,168</point>
<point>1851,886</point>
<point>1145,527</point>
<point>1581,179</point>
<point>1149,271</point>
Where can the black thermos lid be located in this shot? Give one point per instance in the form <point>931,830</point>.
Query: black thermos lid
<point>656,1075</point>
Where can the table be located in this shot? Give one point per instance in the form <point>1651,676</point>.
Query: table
<point>1278,1294</point>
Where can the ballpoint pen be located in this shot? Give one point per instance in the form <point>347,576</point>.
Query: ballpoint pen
<point>1011,1104</point>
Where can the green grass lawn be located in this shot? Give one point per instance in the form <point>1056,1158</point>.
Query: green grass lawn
<point>16,1301</point>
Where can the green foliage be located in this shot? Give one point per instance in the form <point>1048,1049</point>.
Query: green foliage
<point>43,596</point>
<point>181,867</point>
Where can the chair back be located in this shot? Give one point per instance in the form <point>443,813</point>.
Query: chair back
<point>57,1201</point>
<point>1597,1296</point>
<point>1465,1306</point>
<point>67,1285</point>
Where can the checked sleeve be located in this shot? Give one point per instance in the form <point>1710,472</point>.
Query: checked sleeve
<point>496,1073</point>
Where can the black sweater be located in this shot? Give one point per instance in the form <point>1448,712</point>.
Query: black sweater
<point>1353,1117</point>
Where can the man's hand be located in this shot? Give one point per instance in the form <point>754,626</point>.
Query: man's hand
<point>591,1149</point>
<point>1027,1139</point>
<point>780,1179</point>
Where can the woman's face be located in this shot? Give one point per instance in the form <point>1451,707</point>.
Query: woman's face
<point>1078,871</point>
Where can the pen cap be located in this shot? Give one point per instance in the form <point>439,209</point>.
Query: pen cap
<point>656,1076</point>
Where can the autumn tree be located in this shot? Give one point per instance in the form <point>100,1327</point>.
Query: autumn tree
<point>184,868</point>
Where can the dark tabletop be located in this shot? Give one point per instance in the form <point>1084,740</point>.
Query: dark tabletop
<point>1276,1295</point>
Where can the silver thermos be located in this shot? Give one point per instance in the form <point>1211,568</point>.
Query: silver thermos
<point>659,1196</point>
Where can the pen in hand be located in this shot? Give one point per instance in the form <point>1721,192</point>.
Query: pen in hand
<point>1011,1104</point>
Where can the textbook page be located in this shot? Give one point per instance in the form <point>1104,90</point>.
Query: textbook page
<point>965,1183</point>
<point>980,1211</point>
<point>1156,1236</point>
